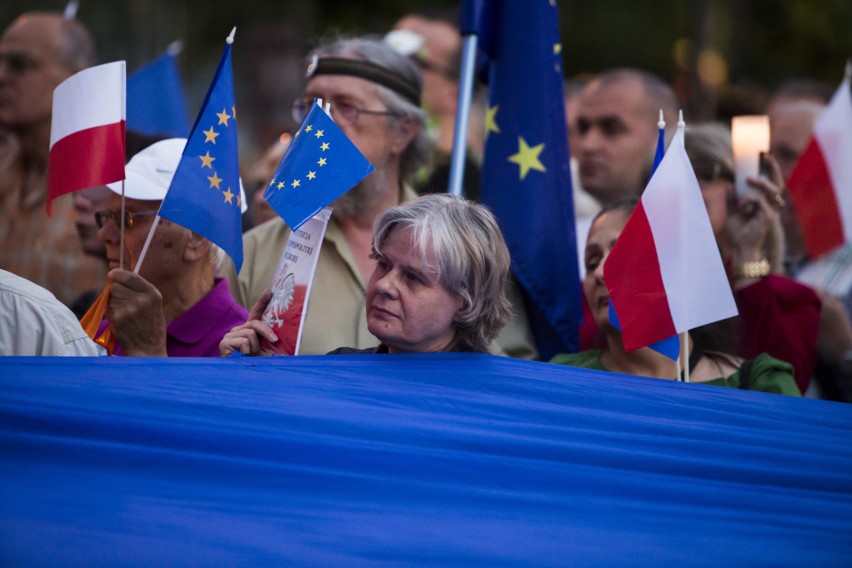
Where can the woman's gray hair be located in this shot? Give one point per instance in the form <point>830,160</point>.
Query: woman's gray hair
<point>711,142</point>
<point>418,154</point>
<point>470,258</point>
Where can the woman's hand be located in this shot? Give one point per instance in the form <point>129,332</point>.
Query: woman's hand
<point>754,225</point>
<point>246,338</point>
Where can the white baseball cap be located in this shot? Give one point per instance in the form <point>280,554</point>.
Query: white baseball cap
<point>149,173</point>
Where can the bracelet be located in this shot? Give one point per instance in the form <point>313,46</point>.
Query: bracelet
<point>754,269</point>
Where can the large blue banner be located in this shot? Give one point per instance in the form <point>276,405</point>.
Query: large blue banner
<point>410,460</point>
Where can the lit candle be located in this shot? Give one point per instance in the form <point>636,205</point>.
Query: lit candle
<point>750,136</point>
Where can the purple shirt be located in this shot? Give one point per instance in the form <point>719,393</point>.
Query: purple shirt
<point>198,331</point>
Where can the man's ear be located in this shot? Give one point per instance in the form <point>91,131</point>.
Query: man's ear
<point>197,247</point>
<point>407,128</point>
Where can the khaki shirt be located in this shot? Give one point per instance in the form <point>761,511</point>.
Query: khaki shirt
<point>337,306</point>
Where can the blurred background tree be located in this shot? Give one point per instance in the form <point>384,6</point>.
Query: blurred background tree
<point>723,56</point>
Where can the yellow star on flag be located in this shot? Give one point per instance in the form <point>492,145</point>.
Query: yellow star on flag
<point>324,146</point>
<point>229,196</point>
<point>223,117</point>
<point>527,158</point>
<point>321,162</point>
<point>210,135</point>
<point>273,182</point>
<point>312,175</point>
<point>318,134</point>
<point>491,120</point>
<point>234,112</point>
<point>215,181</point>
<point>309,127</point>
<point>207,160</point>
<point>281,184</point>
<point>296,183</point>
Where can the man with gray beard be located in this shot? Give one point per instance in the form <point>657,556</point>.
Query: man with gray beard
<point>375,98</point>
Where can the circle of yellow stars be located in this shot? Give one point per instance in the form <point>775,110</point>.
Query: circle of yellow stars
<point>312,174</point>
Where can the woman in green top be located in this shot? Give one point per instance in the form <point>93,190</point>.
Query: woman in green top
<point>711,361</point>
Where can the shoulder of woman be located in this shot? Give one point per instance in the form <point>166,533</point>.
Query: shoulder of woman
<point>768,374</point>
<point>590,359</point>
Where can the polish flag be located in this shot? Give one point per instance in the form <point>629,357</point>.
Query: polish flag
<point>665,274</point>
<point>87,130</point>
<point>821,182</point>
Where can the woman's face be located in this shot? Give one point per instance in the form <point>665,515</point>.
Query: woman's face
<point>602,236</point>
<point>408,308</point>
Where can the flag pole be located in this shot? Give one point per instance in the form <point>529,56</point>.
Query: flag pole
<point>121,230</point>
<point>468,69</point>
<point>685,340</point>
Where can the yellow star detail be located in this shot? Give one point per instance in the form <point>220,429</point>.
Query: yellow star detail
<point>312,175</point>
<point>207,160</point>
<point>557,48</point>
<point>321,162</point>
<point>296,183</point>
<point>527,158</point>
<point>234,112</point>
<point>491,120</point>
<point>281,184</point>
<point>210,135</point>
<point>318,134</point>
<point>229,196</point>
<point>223,117</point>
<point>324,146</point>
<point>215,181</point>
<point>272,182</point>
<point>308,128</point>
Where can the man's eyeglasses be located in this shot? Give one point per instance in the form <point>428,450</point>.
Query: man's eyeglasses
<point>18,62</point>
<point>130,217</point>
<point>340,111</point>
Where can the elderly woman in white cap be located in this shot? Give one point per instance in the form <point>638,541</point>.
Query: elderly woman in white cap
<point>175,306</point>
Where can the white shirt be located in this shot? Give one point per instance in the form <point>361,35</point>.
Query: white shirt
<point>34,322</point>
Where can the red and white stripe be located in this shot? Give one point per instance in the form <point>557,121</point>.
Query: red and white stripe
<point>665,274</point>
<point>87,145</point>
<point>820,185</point>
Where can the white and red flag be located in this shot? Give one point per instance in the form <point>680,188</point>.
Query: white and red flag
<point>820,184</point>
<point>665,274</point>
<point>87,131</point>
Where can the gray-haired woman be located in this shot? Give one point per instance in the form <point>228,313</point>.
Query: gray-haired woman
<point>438,285</point>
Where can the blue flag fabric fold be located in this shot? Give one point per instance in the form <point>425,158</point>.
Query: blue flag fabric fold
<point>156,105</point>
<point>526,177</point>
<point>320,165</point>
<point>204,195</point>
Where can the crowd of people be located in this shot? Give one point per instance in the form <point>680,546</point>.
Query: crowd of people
<point>403,267</point>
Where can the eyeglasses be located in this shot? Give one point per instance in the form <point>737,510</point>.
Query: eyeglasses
<point>18,62</point>
<point>340,110</point>
<point>130,217</point>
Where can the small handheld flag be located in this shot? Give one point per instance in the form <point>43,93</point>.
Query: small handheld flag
<point>204,195</point>
<point>320,165</point>
<point>87,131</point>
<point>665,274</point>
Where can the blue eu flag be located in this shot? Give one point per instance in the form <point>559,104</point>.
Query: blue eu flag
<point>526,177</point>
<point>156,105</point>
<point>320,165</point>
<point>205,192</point>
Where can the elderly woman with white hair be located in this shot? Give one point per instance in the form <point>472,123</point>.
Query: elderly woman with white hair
<point>438,284</point>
